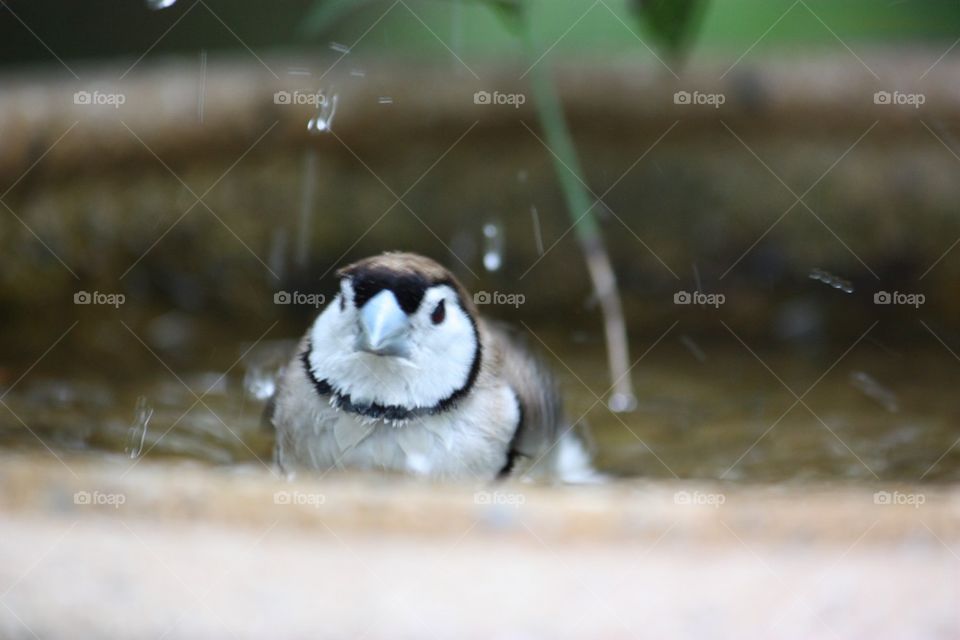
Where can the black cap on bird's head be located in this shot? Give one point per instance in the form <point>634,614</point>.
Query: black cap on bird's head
<point>407,275</point>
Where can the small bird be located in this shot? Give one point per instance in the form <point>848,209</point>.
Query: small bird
<point>400,373</point>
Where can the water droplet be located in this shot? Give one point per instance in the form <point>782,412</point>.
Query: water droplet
<point>492,246</point>
<point>693,348</point>
<point>870,387</point>
<point>323,121</point>
<point>138,430</point>
<point>307,202</point>
<point>260,383</point>
<point>831,280</point>
<point>537,234</point>
<point>340,48</point>
<point>156,5</point>
<point>622,402</point>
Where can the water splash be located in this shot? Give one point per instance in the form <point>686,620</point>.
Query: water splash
<point>537,233</point>
<point>622,402</point>
<point>260,382</point>
<point>870,387</point>
<point>137,434</point>
<point>492,246</point>
<point>326,110</point>
<point>156,5</point>
<point>307,200</point>
<point>201,97</point>
<point>693,348</point>
<point>829,279</point>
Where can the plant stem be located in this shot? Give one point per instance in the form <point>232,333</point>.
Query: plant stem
<point>566,164</point>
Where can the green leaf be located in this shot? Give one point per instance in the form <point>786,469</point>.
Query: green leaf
<point>671,22</point>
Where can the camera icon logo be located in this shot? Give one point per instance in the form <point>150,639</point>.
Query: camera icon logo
<point>82,97</point>
<point>682,97</point>
<point>682,297</point>
<point>882,297</point>
<point>882,97</point>
<point>682,497</point>
<point>481,297</point>
<point>281,497</point>
<point>482,497</point>
<point>482,97</point>
<point>82,297</point>
<point>882,497</point>
<point>81,497</point>
<point>282,297</point>
<point>282,97</point>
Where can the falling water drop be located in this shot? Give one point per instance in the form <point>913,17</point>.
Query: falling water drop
<point>693,348</point>
<point>870,387</point>
<point>156,5</point>
<point>831,280</point>
<point>537,233</point>
<point>308,196</point>
<point>326,109</point>
<point>260,383</point>
<point>138,430</point>
<point>492,246</point>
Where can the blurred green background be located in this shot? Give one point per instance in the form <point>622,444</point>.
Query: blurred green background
<point>89,29</point>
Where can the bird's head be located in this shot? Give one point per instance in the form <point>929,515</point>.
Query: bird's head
<point>400,336</point>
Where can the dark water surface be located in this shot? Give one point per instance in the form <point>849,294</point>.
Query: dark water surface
<point>711,410</point>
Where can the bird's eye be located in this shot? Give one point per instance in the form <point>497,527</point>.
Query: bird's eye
<point>439,313</point>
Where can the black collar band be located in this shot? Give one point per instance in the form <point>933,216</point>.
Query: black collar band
<point>392,412</point>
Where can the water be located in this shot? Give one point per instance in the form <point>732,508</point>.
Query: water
<point>156,5</point>
<point>832,280</point>
<point>492,246</point>
<point>138,431</point>
<point>706,410</point>
<point>326,110</point>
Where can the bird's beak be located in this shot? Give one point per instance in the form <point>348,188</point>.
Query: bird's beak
<point>384,327</point>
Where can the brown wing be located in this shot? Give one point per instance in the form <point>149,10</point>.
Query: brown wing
<point>536,389</point>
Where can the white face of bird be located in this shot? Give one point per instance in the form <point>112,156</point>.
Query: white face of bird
<point>412,345</point>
